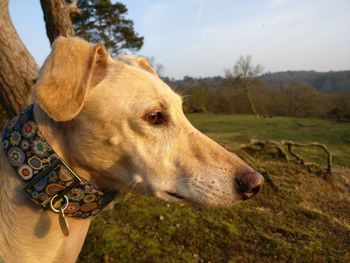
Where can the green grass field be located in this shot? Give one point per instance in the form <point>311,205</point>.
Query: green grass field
<point>298,217</point>
<point>238,129</point>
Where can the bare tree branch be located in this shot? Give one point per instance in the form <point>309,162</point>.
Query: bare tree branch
<point>246,72</point>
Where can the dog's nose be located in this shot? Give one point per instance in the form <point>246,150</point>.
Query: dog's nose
<point>249,183</point>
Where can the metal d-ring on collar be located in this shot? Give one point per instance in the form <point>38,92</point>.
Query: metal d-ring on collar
<point>62,218</point>
<point>47,176</point>
<point>54,206</point>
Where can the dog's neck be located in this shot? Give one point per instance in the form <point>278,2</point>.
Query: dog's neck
<point>27,233</point>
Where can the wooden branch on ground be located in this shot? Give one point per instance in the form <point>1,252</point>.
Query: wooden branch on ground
<point>311,144</point>
<point>264,145</point>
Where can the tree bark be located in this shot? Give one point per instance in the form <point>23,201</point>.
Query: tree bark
<point>249,96</point>
<point>57,18</point>
<point>18,68</point>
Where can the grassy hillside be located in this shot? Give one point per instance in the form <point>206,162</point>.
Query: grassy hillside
<point>238,129</point>
<point>298,217</point>
<point>332,81</point>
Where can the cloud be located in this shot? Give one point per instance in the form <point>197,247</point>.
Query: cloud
<point>158,11</point>
<point>278,3</point>
<point>199,12</point>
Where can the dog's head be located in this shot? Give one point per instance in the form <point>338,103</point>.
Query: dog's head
<point>125,127</point>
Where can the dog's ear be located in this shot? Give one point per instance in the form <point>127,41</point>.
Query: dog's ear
<point>143,63</point>
<point>73,66</point>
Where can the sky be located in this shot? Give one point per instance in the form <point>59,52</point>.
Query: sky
<point>202,38</point>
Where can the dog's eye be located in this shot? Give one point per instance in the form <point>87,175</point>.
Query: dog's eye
<point>155,118</point>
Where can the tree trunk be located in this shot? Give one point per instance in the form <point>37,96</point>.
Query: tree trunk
<point>57,18</point>
<point>250,100</point>
<point>18,68</point>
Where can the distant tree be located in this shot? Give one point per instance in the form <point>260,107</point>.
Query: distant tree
<point>245,73</point>
<point>101,21</point>
<point>158,67</point>
<point>302,100</point>
<point>342,101</point>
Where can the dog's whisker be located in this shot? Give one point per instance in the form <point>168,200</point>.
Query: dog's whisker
<point>132,188</point>
<point>182,179</point>
<point>125,186</point>
<point>186,96</point>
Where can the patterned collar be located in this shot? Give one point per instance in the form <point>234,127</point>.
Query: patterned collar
<point>51,183</point>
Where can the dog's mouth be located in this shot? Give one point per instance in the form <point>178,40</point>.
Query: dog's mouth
<point>175,195</point>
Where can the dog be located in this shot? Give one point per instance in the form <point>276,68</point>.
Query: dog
<point>113,123</point>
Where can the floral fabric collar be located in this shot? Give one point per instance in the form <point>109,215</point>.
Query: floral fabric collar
<point>50,182</point>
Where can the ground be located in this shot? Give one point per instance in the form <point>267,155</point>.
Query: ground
<point>298,216</point>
